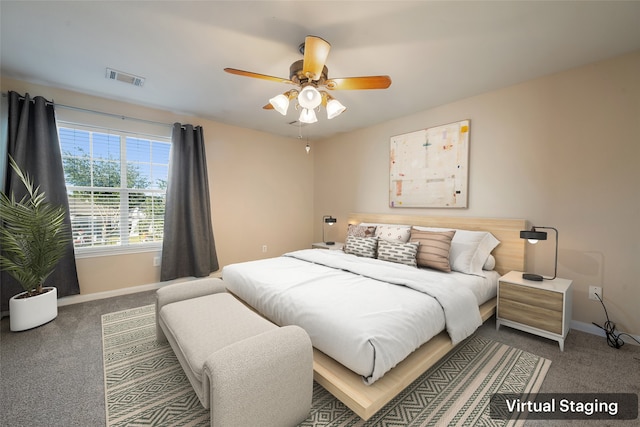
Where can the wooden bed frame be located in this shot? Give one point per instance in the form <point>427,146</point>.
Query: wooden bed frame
<point>366,400</point>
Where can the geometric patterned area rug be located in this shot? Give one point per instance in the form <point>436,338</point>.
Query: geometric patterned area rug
<point>145,385</point>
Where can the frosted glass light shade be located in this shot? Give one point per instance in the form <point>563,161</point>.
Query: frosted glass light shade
<point>280,103</point>
<point>308,116</point>
<point>309,98</point>
<point>334,108</point>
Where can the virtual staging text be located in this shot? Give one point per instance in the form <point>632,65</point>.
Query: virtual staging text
<point>578,406</point>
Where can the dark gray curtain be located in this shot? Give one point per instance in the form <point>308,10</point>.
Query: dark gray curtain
<point>188,248</point>
<point>33,143</point>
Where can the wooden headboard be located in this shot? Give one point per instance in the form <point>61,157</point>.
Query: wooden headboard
<point>510,253</point>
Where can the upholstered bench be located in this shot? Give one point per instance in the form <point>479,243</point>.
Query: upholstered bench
<point>247,370</point>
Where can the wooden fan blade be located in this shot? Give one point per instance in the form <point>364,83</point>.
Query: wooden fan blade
<point>358,83</point>
<point>268,107</point>
<point>257,75</point>
<point>316,51</point>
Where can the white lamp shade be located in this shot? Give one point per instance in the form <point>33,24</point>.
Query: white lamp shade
<point>280,103</point>
<point>309,98</point>
<point>308,116</point>
<point>334,108</point>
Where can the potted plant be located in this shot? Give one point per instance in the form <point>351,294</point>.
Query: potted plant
<point>33,238</point>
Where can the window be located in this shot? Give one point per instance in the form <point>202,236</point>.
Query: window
<point>116,183</point>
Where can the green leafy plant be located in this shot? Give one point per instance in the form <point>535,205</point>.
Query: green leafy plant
<point>33,236</point>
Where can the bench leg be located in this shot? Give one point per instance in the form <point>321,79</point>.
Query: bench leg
<point>265,380</point>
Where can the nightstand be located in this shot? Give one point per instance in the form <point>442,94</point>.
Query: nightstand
<point>335,247</point>
<point>541,308</point>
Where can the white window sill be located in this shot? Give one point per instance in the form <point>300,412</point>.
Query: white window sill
<point>117,250</point>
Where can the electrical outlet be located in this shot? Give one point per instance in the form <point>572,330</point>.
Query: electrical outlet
<point>156,261</point>
<point>593,290</point>
<point>264,248</point>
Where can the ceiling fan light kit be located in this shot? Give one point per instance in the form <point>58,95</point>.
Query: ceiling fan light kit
<point>309,98</point>
<point>280,103</point>
<point>308,116</point>
<point>308,75</point>
<point>334,107</point>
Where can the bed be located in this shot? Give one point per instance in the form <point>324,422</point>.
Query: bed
<point>377,323</point>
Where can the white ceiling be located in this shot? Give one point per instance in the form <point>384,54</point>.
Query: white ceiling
<point>434,52</point>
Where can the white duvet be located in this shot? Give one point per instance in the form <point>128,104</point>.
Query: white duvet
<point>365,313</point>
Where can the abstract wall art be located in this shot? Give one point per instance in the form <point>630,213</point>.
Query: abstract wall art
<point>428,168</point>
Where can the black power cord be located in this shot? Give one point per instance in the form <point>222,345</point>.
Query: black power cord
<point>610,329</point>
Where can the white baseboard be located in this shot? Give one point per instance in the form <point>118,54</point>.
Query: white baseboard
<point>590,328</point>
<point>76,299</point>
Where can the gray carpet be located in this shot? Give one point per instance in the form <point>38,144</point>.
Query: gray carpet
<point>145,384</point>
<point>52,375</point>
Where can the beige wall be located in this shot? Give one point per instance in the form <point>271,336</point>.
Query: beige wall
<point>261,189</point>
<point>560,151</point>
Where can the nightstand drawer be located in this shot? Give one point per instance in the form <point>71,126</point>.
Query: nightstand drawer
<point>531,296</point>
<point>541,308</point>
<point>535,316</point>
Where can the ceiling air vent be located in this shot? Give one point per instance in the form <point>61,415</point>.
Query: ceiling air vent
<point>124,77</point>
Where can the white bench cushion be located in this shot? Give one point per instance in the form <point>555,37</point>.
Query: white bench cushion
<point>204,325</point>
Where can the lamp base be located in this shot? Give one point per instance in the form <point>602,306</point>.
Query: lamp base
<point>531,276</point>
<point>329,243</point>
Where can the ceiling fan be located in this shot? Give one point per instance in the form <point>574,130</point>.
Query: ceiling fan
<point>311,77</point>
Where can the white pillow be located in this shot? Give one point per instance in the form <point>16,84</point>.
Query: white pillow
<point>391,232</point>
<point>490,263</point>
<point>469,249</point>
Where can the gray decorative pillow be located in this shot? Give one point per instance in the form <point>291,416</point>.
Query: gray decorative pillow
<point>361,230</point>
<point>361,246</point>
<point>434,248</point>
<point>402,253</point>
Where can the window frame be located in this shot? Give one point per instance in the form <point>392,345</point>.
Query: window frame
<point>124,247</point>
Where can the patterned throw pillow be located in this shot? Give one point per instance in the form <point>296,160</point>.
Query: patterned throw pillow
<point>434,248</point>
<point>361,246</point>
<point>393,233</point>
<point>402,253</point>
<point>361,230</point>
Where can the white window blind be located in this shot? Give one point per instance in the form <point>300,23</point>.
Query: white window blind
<point>116,183</point>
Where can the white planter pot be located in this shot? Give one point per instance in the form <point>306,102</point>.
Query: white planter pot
<point>27,313</point>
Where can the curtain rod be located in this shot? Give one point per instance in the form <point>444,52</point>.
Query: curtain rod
<point>86,110</point>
